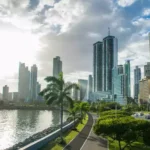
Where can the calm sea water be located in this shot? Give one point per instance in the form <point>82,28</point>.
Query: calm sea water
<point>17,125</point>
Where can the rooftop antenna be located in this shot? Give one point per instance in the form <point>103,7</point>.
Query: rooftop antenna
<point>108,31</point>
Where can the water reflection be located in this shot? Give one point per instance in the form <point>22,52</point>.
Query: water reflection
<point>17,125</point>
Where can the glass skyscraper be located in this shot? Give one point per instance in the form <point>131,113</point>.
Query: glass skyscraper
<point>57,66</point>
<point>105,58</point>
<point>24,82</point>
<point>97,66</point>
<point>127,78</point>
<point>90,87</point>
<point>33,83</point>
<point>110,60</point>
<point>83,88</point>
<point>137,78</point>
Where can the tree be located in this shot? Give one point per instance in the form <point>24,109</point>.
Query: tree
<point>146,137</point>
<point>73,112</point>
<point>84,108</point>
<point>109,106</point>
<point>57,93</point>
<point>127,129</point>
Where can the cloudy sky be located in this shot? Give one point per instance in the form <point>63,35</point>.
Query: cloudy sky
<point>35,31</point>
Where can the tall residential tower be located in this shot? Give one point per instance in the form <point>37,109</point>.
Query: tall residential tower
<point>105,58</point>
<point>97,66</point>
<point>33,83</point>
<point>24,82</point>
<point>57,66</point>
<point>137,78</point>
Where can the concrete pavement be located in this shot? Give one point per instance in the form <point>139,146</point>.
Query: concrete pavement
<point>94,142</point>
<point>77,143</point>
<point>86,139</point>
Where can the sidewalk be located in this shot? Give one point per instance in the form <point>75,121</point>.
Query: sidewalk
<point>77,143</point>
<point>86,139</point>
<point>94,142</point>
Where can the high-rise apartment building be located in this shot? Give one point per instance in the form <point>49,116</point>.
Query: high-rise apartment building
<point>83,89</point>
<point>97,66</point>
<point>118,86</point>
<point>127,78</point>
<point>110,60</point>
<point>5,92</point>
<point>144,91</point>
<point>105,58</point>
<point>121,83</point>
<point>24,82</point>
<point>147,70</point>
<point>90,87</point>
<point>33,83</point>
<point>38,90</point>
<point>57,66</point>
<point>137,78</point>
<point>149,40</point>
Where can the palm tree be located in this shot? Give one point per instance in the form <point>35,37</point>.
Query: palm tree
<point>84,108</point>
<point>57,93</point>
<point>73,112</point>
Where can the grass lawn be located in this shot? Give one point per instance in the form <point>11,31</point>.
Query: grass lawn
<point>113,145</point>
<point>67,136</point>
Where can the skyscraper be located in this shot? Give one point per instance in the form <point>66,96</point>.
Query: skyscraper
<point>147,70</point>
<point>24,82</point>
<point>90,87</point>
<point>149,41</point>
<point>5,92</point>
<point>38,90</point>
<point>127,79</point>
<point>97,66</point>
<point>83,88</point>
<point>57,66</point>
<point>110,60</point>
<point>105,57</point>
<point>118,86</point>
<point>33,83</point>
<point>137,78</point>
<point>75,94</point>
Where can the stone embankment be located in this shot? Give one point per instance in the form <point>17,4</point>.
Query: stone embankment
<point>35,137</point>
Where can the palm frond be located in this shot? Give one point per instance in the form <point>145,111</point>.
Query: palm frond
<point>51,100</point>
<point>51,79</point>
<point>69,99</point>
<point>69,87</point>
<point>43,91</point>
<point>50,94</point>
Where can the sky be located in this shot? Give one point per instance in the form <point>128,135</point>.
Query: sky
<point>35,31</point>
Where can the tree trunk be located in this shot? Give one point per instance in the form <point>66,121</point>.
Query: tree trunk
<point>61,120</point>
<point>119,144</point>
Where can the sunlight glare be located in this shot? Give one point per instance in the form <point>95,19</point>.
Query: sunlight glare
<point>16,47</point>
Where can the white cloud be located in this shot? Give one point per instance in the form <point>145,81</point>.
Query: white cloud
<point>125,3</point>
<point>145,22</point>
<point>65,13</point>
<point>146,12</point>
<point>42,3</point>
<point>74,76</point>
<point>121,29</point>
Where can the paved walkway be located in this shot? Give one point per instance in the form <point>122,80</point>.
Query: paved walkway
<point>94,142</point>
<point>86,139</point>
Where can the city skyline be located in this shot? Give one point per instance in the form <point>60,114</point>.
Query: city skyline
<point>38,38</point>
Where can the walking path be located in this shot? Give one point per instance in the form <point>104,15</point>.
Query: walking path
<point>94,142</point>
<point>86,139</point>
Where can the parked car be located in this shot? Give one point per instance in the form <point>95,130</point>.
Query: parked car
<point>141,114</point>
